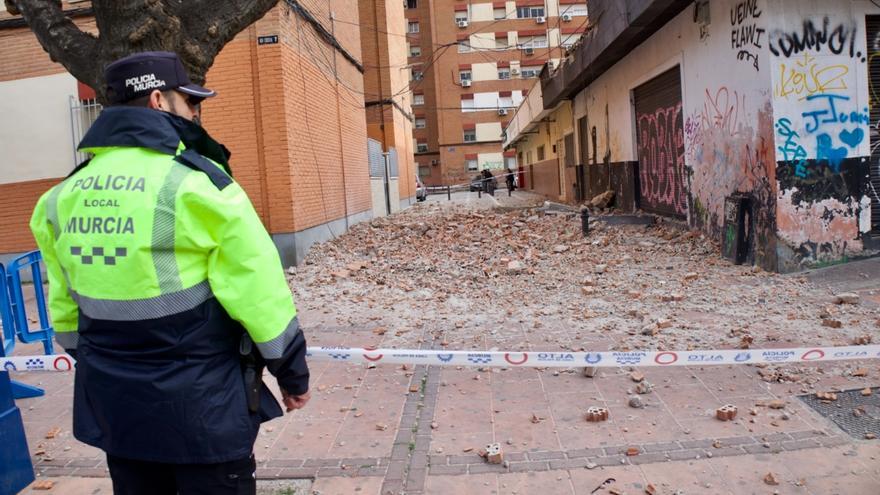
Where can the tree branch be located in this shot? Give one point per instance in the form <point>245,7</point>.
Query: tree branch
<point>62,39</point>
<point>216,24</point>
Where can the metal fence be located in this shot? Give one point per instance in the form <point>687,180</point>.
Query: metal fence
<point>82,115</point>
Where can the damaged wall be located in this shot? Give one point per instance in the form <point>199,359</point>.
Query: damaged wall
<point>726,131</point>
<point>775,107</point>
<point>818,54</point>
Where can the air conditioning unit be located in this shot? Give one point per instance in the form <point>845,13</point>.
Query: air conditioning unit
<point>514,71</point>
<point>462,23</point>
<point>540,20</point>
<point>502,111</point>
<point>465,83</point>
<point>566,17</point>
<point>529,51</point>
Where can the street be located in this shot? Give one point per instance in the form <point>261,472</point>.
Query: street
<point>505,275</point>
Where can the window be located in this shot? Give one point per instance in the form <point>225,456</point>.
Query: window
<point>541,153</point>
<point>418,100</point>
<point>499,14</point>
<point>422,148</point>
<point>574,10</point>
<point>505,102</point>
<point>528,72</point>
<point>461,15</point>
<point>570,41</point>
<point>412,27</point>
<point>420,123</point>
<point>417,75</point>
<point>424,171</point>
<point>467,105</point>
<point>463,46</point>
<point>533,42</point>
<point>465,75</point>
<point>412,4</point>
<point>504,73</point>
<point>415,51</point>
<point>510,162</point>
<point>470,135</point>
<point>525,12</point>
<point>471,164</point>
<point>529,157</point>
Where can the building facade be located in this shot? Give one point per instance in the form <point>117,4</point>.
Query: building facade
<point>471,64</point>
<point>753,121</point>
<point>290,108</point>
<point>387,102</point>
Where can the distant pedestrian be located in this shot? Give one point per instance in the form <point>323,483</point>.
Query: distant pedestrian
<point>489,181</point>
<point>511,180</point>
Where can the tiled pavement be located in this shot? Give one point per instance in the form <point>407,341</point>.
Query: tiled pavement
<point>365,432</point>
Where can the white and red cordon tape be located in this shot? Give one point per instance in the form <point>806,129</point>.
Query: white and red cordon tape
<point>533,359</point>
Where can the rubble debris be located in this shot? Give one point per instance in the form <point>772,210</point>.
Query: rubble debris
<point>829,396</point>
<point>515,267</point>
<point>590,371</point>
<point>862,340</point>
<point>726,412</point>
<point>381,426</point>
<point>493,453</point>
<point>602,200</point>
<point>535,419</point>
<point>53,432</point>
<point>636,376</point>
<point>632,451</point>
<point>866,391</point>
<point>596,414</point>
<point>770,479</point>
<point>636,402</point>
<point>860,372</point>
<point>870,436</point>
<point>651,489</point>
<point>43,485</point>
<point>776,404</point>
<point>644,387</point>
<point>846,298</point>
<point>831,323</point>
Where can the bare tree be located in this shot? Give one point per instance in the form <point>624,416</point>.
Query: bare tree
<point>196,29</point>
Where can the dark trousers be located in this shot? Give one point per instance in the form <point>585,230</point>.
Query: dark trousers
<point>132,477</point>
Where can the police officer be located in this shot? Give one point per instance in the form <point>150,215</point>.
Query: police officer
<point>166,287</point>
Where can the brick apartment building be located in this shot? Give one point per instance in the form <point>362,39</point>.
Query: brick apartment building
<point>387,101</point>
<point>290,108</point>
<point>471,64</point>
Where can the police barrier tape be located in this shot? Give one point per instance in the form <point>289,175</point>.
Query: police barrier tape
<point>63,362</point>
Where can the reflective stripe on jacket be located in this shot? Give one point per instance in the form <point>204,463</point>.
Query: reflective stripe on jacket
<point>157,264</point>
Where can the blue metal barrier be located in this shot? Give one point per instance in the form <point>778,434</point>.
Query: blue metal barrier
<point>15,458</point>
<point>22,326</point>
<point>18,472</point>
<point>13,315</point>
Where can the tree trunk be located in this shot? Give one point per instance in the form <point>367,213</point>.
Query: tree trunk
<point>195,29</point>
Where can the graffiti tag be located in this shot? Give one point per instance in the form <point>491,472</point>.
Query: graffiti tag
<point>829,114</point>
<point>792,151</point>
<point>661,153</point>
<point>745,37</point>
<point>837,40</point>
<point>806,77</point>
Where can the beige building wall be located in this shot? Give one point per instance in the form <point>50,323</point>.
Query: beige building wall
<point>35,128</point>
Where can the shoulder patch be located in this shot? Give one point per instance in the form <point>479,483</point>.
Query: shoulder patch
<point>195,161</point>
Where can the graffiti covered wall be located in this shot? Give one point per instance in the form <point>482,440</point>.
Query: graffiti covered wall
<point>818,56</point>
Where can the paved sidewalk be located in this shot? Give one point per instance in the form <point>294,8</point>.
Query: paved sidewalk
<point>417,429</point>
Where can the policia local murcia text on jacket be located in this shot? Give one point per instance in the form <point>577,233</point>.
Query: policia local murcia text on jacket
<point>160,271</point>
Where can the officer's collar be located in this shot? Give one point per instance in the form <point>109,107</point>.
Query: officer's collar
<point>153,129</point>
